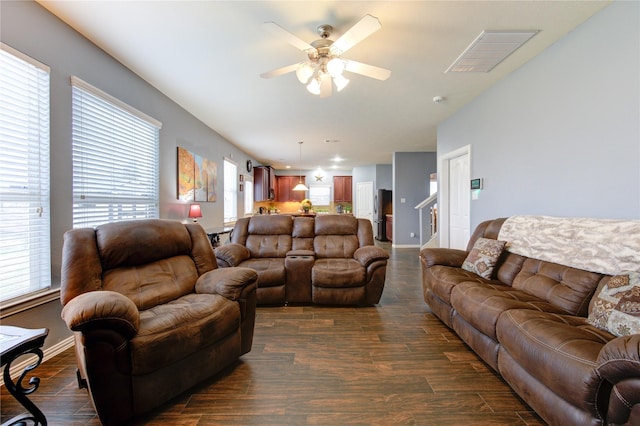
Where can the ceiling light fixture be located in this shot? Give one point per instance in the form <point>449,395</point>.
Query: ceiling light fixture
<point>324,62</point>
<point>300,186</point>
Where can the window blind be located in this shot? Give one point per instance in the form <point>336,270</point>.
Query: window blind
<point>25,254</point>
<point>115,159</point>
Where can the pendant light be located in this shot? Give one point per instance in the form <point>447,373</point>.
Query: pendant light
<point>300,186</point>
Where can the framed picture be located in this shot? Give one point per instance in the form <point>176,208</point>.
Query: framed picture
<point>197,177</point>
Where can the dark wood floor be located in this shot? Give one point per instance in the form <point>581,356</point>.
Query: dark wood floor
<point>392,364</point>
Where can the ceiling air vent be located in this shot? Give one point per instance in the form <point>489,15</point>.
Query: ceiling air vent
<point>489,49</point>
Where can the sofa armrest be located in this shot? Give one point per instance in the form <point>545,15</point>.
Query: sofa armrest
<point>443,256</point>
<point>102,310</point>
<point>232,283</point>
<point>619,364</point>
<point>231,254</point>
<point>368,254</point>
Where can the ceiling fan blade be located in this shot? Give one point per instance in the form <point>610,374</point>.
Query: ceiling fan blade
<point>325,85</point>
<point>276,29</point>
<point>367,70</point>
<point>361,30</point>
<point>280,71</point>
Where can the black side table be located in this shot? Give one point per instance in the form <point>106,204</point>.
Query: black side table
<point>214,234</point>
<point>14,342</point>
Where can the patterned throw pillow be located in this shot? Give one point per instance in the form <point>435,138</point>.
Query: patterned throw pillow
<point>616,308</point>
<point>483,257</point>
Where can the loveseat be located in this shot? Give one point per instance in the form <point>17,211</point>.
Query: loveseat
<point>330,259</point>
<point>152,314</point>
<point>553,306</point>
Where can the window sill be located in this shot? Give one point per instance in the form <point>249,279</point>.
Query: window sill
<point>28,302</point>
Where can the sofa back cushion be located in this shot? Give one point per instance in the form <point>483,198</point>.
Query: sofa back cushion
<point>569,289</point>
<point>302,233</point>
<point>133,243</point>
<point>269,235</point>
<point>336,236</point>
<point>155,283</point>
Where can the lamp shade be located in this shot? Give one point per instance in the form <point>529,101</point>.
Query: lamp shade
<point>195,212</point>
<point>300,187</point>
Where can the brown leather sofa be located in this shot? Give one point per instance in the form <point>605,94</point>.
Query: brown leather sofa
<point>330,259</point>
<point>529,323</point>
<point>151,312</point>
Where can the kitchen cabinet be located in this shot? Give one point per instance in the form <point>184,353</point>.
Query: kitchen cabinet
<point>284,189</point>
<point>342,189</point>
<point>263,183</point>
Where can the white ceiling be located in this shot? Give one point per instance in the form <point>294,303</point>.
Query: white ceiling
<point>207,56</point>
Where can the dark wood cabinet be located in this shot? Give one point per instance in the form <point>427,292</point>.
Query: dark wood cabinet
<point>284,189</point>
<point>263,183</point>
<point>342,189</point>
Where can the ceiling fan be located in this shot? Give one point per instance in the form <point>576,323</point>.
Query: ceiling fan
<point>325,62</point>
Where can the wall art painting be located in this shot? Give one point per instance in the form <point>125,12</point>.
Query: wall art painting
<point>197,177</point>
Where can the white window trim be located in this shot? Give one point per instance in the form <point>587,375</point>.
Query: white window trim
<point>44,270</point>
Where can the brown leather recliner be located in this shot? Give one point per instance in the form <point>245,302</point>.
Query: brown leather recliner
<point>151,312</point>
<point>348,268</point>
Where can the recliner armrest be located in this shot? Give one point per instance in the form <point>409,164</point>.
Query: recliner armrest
<point>231,283</point>
<point>232,254</point>
<point>443,256</point>
<point>366,255</point>
<point>102,310</point>
<point>619,364</point>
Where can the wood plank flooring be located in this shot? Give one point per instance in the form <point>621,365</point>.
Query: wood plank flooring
<point>392,364</point>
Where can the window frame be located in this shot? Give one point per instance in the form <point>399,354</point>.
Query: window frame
<point>25,148</point>
<point>115,159</point>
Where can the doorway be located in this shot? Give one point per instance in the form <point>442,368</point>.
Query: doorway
<point>364,200</point>
<point>455,170</point>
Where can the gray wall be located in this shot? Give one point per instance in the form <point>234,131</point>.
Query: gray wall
<point>28,27</point>
<point>561,135</point>
<point>411,172</point>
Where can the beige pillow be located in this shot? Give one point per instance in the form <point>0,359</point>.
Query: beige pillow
<point>616,308</point>
<point>483,257</point>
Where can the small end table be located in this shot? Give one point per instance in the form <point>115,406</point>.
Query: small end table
<point>214,234</point>
<point>14,342</point>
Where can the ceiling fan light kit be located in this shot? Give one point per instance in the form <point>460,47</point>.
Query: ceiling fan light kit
<point>324,63</point>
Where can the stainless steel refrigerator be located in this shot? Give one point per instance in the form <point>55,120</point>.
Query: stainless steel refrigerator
<point>382,206</point>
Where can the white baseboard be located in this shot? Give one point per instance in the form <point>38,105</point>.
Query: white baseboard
<point>48,353</point>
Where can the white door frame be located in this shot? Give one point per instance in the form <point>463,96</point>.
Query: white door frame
<point>443,191</point>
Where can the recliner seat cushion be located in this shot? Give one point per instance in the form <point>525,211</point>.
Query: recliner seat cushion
<point>445,278</point>
<point>560,351</point>
<point>177,329</point>
<point>338,273</point>
<point>271,272</point>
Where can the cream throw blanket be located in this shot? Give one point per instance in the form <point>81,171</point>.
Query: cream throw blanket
<point>606,246</point>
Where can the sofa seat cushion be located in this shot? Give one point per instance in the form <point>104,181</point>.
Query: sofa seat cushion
<point>175,330</point>
<point>481,304</point>
<point>560,351</point>
<point>442,280</point>
<point>270,271</point>
<point>337,273</point>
